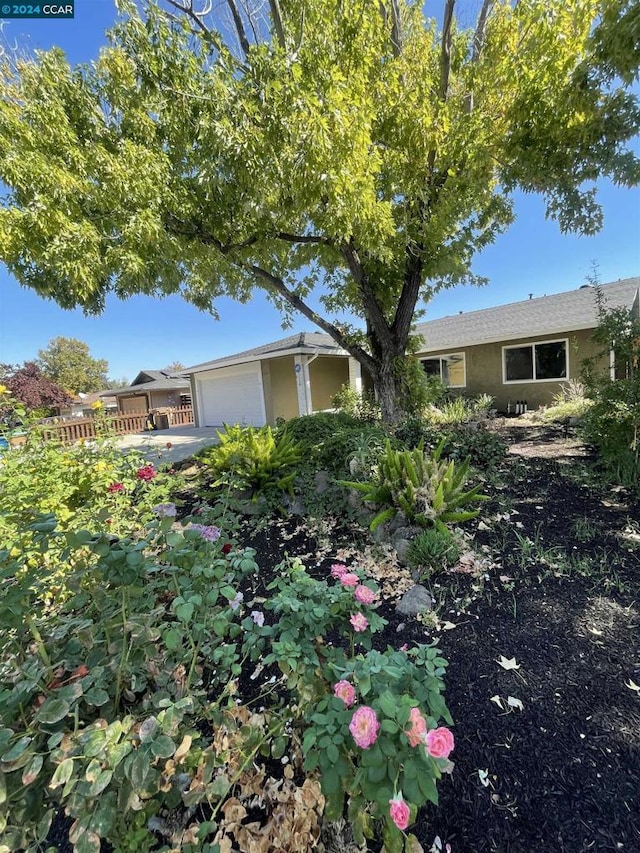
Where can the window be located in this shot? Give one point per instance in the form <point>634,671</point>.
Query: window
<point>542,362</point>
<point>450,368</point>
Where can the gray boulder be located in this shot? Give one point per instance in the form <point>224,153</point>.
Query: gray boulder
<point>415,600</point>
<point>321,480</point>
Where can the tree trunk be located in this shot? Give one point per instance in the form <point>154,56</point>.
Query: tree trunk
<point>385,378</point>
<point>386,388</point>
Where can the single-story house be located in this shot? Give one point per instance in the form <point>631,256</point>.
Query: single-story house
<point>525,350</point>
<point>522,351</point>
<point>83,404</point>
<point>152,389</point>
<point>294,376</point>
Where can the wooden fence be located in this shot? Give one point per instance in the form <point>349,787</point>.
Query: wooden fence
<point>80,429</point>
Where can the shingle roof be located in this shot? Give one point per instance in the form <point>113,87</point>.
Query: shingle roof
<point>159,381</point>
<point>303,342</point>
<point>545,315</point>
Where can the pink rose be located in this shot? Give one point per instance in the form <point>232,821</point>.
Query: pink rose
<point>359,622</point>
<point>364,595</point>
<point>439,742</point>
<point>349,579</point>
<point>364,726</point>
<point>399,812</point>
<point>418,730</point>
<point>345,691</point>
<point>116,487</point>
<point>338,570</point>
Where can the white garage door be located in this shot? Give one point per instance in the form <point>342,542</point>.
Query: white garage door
<point>232,395</point>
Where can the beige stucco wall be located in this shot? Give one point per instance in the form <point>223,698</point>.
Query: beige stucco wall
<point>280,390</point>
<point>327,374</point>
<point>165,399</point>
<point>484,369</point>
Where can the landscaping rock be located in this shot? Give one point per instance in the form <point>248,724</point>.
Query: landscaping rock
<point>415,600</point>
<point>295,505</point>
<point>402,547</point>
<point>354,499</point>
<point>254,507</point>
<point>397,522</point>
<point>409,532</point>
<point>321,480</point>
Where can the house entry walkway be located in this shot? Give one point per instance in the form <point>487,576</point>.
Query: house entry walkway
<point>184,441</point>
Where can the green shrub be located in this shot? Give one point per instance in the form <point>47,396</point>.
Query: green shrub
<point>417,430</point>
<point>259,459</point>
<point>612,425</point>
<point>101,687</point>
<point>457,411</point>
<point>427,489</point>
<point>570,402</point>
<point>91,484</point>
<point>330,440</point>
<point>312,430</point>
<point>484,448</point>
<point>433,550</point>
<point>359,405</point>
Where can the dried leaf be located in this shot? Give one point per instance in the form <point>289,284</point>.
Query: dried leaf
<point>483,775</point>
<point>497,700</point>
<point>632,686</point>
<point>507,663</point>
<point>512,702</point>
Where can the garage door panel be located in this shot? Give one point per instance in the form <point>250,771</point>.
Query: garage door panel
<point>232,395</point>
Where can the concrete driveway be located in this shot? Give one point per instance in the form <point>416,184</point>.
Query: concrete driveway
<point>184,441</point>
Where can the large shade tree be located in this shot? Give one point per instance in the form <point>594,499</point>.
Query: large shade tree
<point>348,158</point>
<point>68,362</point>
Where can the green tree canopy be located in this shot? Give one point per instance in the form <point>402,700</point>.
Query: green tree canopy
<point>68,363</point>
<point>349,155</point>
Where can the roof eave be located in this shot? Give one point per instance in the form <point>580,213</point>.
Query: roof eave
<point>264,356</point>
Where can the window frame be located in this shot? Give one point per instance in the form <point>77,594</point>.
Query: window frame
<point>444,355</point>
<point>533,345</point>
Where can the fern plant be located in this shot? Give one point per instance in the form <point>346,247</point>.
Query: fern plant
<point>255,457</point>
<point>427,489</point>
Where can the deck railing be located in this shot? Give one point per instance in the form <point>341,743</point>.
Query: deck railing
<point>82,429</point>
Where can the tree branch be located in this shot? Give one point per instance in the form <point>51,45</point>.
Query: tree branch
<point>188,11</point>
<point>237,20</point>
<point>278,285</point>
<point>478,37</point>
<point>445,53</point>
<point>478,42</point>
<point>372,309</point>
<point>276,16</point>
<point>303,238</point>
<point>396,29</point>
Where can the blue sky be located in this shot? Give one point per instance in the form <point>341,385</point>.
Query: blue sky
<point>532,257</point>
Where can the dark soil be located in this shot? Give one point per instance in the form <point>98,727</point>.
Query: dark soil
<point>560,595</point>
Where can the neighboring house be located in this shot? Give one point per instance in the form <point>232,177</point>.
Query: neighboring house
<point>82,406</point>
<point>152,389</point>
<point>522,351</point>
<point>290,377</point>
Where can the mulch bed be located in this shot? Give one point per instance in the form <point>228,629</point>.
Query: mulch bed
<point>563,773</point>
